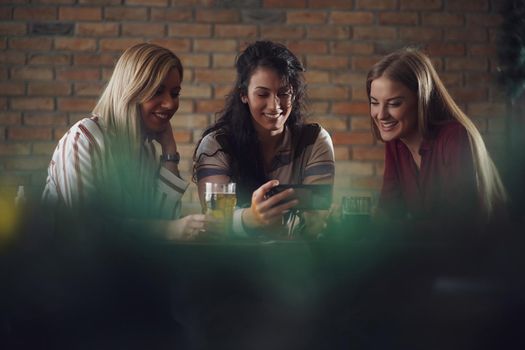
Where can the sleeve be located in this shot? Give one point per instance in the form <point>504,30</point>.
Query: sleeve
<point>210,159</point>
<point>320,166</point>
<point>75,166</point>
<point>391,200</point>
<point>170,189</point>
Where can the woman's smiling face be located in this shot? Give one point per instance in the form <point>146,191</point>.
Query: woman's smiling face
<point>269,101</point>
<point>393,108</point>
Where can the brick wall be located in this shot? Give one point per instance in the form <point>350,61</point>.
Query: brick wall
<point>56,55</point>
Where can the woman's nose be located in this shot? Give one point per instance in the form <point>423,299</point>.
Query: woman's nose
<point>274,103</point>
<point>168,102</point>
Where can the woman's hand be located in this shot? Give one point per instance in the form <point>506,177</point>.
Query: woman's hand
<point>166,140</point>
<point>265,211</point>
<point>189,227</point>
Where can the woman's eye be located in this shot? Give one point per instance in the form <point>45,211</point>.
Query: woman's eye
<point>394,104</point>
<point>175,94</point>
<point>158,93</point>
<point>374,103</point>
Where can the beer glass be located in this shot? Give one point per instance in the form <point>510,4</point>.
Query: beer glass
<point>220,203</point>
<point>356,214</point>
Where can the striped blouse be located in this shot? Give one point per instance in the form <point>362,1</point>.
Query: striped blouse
<point>77,164</point>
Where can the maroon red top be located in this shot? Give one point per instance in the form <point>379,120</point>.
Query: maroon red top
<point>444,186</point>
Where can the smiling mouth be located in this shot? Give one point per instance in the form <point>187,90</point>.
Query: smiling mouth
<point>272,116</point>
<point>388,125</point>
<point>163,116</point>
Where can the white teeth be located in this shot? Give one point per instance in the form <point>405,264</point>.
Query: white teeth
<point>162,116</point>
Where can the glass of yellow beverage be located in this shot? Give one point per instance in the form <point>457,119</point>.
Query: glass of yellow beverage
<point>221,200</point>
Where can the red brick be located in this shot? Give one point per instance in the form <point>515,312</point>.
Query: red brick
<point>329,92</point>
<point>421,4</point>
<point>367,183</point>
<point>420,34</point>
<point>467,64</point>
<point>395,18</point>
<point>308,46</point>
<point>468,5</point>
<point>351,17</point>
<point>97,29</point>
<point>38,13</point>
<point>443,19</point>
<point>349,77</point>
<point>356,168</point>
<point>76,104</point>
<point>223,60</point>
<point>189,30</point>
<point>195,60</point>
<point>443,49</point>
<point>451,79</point>
<point>360,123</point>
<point>482,50</point>
<point>479,78</point>
<point>43,149</point>
<point>78,74</point>
<point>189,121</point>
<point>78,13</point>
<point>94,88</point>
<point>214,75</point>
<point>49,88</point>
<point>484,20</point>
<point>119,44</point>
<point>31,163</point>
<point>13,28</point>
<point>12,57</point>
<point>221,91</point>
<point>327,62</point>
<point>364,63</point>
<point>157,3</point>
<point>358,94</point>
<point>45,119</point>
<point>305,17</point>
<point>129,13</point>
<point>466,35</point>
<point>332,4</point>
<point>95,2</point>
<point>6,12</point>
<point>2,137</point>
<point>75,44</point>
<point>31,73</point>
<point>374,33</point>
<point>352,48</point>
<point>316,76</point>
<point>368,153</point>
<point>98,60</point>
<point>58,132</point>
<point>352,138</point>
<point>498,125</point>
<point>209,106</point>
<point>350,108</point>
<point>330,123</point>
<point>217,16</point>
<point>376,4</point>
<point>469,94</point>
<point>215,45</point>
<point>341,153</point>
<point>196,91</point>
<point>171,15</point>
<point>318,107</point>
<point>49,59</point>
<point>329,32</point>
<point>14,149</point>
<point>284,4</point>
<point>174,44</point>
<point>28,134</point>
<point>282,32</point>
<point>32,103</point>
<point>10,118</point>
<point>235,31</point>
<point>30,43</point>
<point>182,136</point>
<point>143,29</point>
<point>11,88</point>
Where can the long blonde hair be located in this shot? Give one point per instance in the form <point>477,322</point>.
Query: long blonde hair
<point>137,76</point>
<point>414,69</point>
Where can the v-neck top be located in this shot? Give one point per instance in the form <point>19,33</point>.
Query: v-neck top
<point>444,185</point>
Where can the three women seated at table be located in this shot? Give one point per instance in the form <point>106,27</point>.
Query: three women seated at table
<point>436,162</point>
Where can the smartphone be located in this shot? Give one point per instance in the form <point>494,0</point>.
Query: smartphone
<point>311,197</point>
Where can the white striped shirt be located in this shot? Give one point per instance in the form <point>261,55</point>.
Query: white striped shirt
<point>77,166</point>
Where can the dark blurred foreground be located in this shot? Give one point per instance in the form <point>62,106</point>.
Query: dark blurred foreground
<point>91,286</point>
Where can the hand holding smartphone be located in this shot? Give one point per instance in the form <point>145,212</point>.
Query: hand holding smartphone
<point>310,197</point>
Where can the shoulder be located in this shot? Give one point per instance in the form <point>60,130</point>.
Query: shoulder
<point>452,130</point>
<point>212,143</point>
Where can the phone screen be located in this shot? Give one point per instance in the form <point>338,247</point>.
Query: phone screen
<point>311,197</point>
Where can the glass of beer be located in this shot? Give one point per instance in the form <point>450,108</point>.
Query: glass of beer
<point>356,214</point>
<point>220,203</point>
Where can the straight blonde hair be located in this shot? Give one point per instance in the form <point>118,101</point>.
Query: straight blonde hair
<point>413,68</point>
<point>137,76</point>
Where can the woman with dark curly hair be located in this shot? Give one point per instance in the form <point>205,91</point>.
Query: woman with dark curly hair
<point>260,140</point>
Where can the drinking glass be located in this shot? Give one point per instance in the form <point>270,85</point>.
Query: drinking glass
<point>356,213</point>
<point>220,202</point>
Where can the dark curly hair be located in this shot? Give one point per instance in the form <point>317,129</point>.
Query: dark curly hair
<point>235,120</point>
